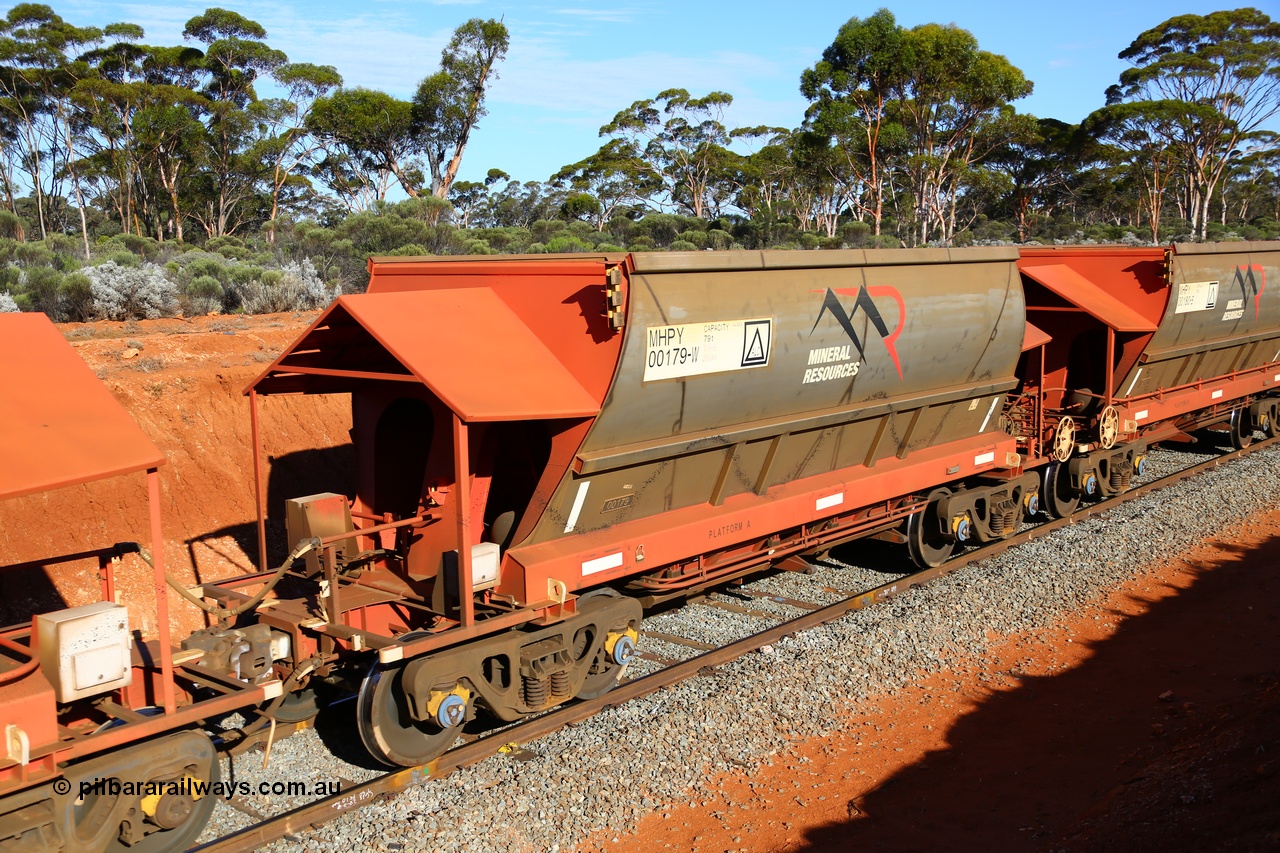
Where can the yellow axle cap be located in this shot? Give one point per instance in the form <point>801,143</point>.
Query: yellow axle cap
<point>612,639</point>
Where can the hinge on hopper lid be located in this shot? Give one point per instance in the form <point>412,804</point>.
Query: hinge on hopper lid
<point>614,300</point>
<point>1168,266</point>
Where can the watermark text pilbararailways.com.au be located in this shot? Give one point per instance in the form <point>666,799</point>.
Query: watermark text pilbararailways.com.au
<point>196,788</point>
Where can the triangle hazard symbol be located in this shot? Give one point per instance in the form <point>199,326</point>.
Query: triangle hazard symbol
<point>755,352</point>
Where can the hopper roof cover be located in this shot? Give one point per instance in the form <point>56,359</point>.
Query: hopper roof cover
<point>60,426</point>
<point>465,344</point>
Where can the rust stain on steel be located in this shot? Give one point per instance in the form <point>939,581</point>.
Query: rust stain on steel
<point>61,426</point>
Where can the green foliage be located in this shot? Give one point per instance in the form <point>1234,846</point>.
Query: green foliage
<point>182,174</point>
<point>567,243</point>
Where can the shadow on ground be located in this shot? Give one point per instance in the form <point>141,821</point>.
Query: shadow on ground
<point>1167,738</point>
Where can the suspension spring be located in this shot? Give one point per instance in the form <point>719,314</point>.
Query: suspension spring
<point>560,683</point>
<point>535,691</point>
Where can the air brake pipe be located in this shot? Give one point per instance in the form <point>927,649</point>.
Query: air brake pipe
<point>302,548</point>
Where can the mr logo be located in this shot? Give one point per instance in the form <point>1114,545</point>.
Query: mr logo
<point>1250,286</point>
<point>865,302</point>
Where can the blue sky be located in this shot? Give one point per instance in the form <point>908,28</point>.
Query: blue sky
<point>574,64</point>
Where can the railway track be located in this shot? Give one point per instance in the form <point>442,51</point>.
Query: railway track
<point>705,658</point>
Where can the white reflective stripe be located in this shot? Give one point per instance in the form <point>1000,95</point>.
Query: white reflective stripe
<point>829,501</point>
<point>601,564</point>
<point>1140,416</point>
<point>1134,382</point>
<point>984,458</point>
<point>577,506</point>
<point>987,419</point>
<point>1216,394</point>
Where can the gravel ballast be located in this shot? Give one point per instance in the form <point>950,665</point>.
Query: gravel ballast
<point>653,752</point>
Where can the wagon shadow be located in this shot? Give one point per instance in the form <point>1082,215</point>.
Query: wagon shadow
<point>304,472</point>
<point>1033,766</point>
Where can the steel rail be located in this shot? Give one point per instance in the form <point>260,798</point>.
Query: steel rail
<point>383,787</point>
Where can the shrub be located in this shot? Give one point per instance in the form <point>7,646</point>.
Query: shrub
<point>202,295</point>
<point>123,293</point>
<point>718,240</point>
<point>854,234</point>
<point>40,291</point>
<point>77,297</point>
<point>566,243</point>
<point>683,246</point>
<point>298,288</point>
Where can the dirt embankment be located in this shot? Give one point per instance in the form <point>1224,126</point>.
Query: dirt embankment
<point>182,380</point>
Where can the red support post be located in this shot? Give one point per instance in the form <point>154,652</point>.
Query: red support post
<point>257,481</point>
<point>1111,366</point>
<point>161,591</point>
<point>462,504</point>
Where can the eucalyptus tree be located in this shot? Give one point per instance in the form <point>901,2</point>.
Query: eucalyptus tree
<point>954,108</point>
<point>852,90</point>
<point>1038,158</point>
<point>469,199</point>
<point>138,106</point>
<point>37,71</point>
<point>1256,184</point>
<point>683,139</point>
<point>235,57</point>
<point>1139,132</point>
<point>369,143</point>
<point>287,148</point>
<point>450,103</point>
<point>171,141</point>
<point>824,186</point>
<point>616,177</point>
<point>762,178</point>
<point>1212,81</point>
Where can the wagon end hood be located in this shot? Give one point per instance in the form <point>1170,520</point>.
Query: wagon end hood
<point>465,344</point>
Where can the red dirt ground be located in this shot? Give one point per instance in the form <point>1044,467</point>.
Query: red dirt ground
<point>1150,722</point>
<point>182,382</point>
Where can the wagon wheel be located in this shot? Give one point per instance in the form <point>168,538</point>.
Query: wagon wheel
<point>604,674</point>
<point>1240,429</point>
<point>927,540</point>
<point>1270,429</point>
<point>297,707</point>
<point>1064,439</point>
<point>388,731</point>
<point>184,817</point>
<point>1108,427</point>
<point>1060,500</point>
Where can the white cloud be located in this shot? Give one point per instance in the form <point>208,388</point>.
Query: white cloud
<point>607,16</point>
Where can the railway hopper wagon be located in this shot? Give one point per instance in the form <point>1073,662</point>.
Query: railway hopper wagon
<point>1140,346</point>
<point>100,739</point>
<point>546,444</point>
